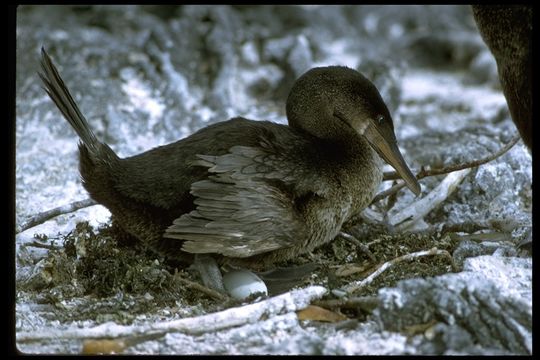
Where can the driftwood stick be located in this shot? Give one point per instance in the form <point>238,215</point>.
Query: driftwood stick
<point>469,227</point>
<point>357,285</point>
<point>420,208</point>
<point>238,316</point>
<point>366,303</point>
<point>392,175</point>
<point>43,246</point>
<point>360,245</point>
<point>49,214</point>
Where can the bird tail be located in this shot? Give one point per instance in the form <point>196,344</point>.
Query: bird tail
<point>59,93</point>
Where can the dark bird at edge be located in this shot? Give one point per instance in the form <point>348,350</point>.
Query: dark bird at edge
<point>507,31</point>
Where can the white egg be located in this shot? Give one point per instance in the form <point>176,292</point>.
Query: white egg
<point>240,284</point>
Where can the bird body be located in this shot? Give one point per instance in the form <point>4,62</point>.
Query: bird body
<point>281,196</point>
<point>249,192</point>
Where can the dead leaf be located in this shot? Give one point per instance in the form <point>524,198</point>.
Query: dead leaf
<point>349,269</point>
<point>317,313</point>
<point>419,328</point>
<point>103,347</point>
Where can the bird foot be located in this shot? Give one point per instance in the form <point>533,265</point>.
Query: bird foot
<point>209,271</point>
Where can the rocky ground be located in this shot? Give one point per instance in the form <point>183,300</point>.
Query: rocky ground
<point>148,75</point>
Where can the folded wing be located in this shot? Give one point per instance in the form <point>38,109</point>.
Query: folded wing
<point>248,205</point>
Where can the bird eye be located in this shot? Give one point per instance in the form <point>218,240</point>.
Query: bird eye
<point>380,119</point>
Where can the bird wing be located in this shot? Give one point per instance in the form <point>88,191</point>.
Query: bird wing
<point>246,206</point>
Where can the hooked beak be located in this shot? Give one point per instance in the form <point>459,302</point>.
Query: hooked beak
<point>386,147</point>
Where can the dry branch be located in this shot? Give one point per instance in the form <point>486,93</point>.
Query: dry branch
<point>420,208</point>
<point>392,175</point>
<point>356,285</point>
<point>365,303</point>
<point>289,302</point>
<point>49,214</point>
<point>360,245</point>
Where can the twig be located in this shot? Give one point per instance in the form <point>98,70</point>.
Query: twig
<point>394,189</point>
<point>43,246</point>
<point>497,237</point>
<point>368,215</point>
<point>373,242</point>
<point>417,210</point>
<point>49,214</point>
<point>366,303</point>
<point>468,227</point>
<point>291,301</point>
<point>416,329</point>
<point>363,247</point>
<point>356,285</point>
<point>392,175</point>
